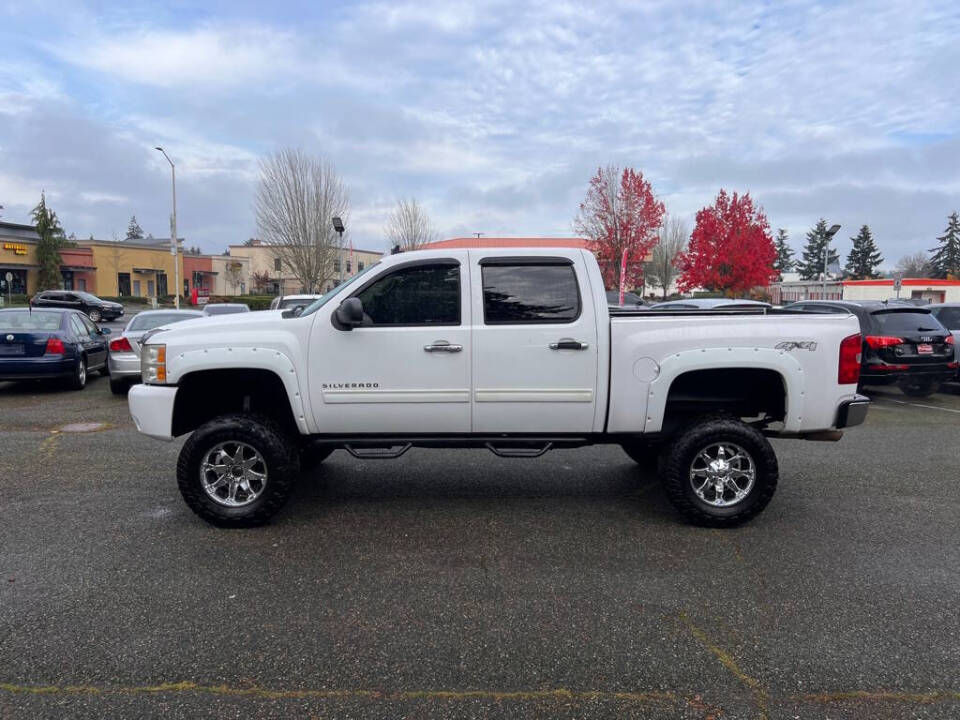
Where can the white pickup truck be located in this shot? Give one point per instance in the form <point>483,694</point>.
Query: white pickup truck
<point>509,349</point>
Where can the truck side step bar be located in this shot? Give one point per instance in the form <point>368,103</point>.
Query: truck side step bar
<point>388,452</point>
<point>519,450</point>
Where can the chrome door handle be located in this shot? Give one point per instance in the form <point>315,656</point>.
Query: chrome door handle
<point>569,344</point>
<point>442,346</point>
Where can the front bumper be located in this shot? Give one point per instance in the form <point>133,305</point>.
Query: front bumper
<point>852,412</point>
<point>124,365</point>
<point>151,407</point>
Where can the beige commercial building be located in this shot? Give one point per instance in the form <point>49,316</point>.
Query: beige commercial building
<point>263,262</point>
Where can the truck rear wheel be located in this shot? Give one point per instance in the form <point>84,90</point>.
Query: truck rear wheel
<point>237,470</point>
<point>720,472</point>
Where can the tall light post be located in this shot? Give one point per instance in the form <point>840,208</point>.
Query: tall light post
<point>338,226</point>
<point>826,256</point>
<point>174,249</point>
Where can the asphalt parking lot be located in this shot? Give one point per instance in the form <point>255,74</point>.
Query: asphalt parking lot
<point>457,584</point>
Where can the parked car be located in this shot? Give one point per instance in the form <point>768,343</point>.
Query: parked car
<point>711,304</point>
<point>903,344</point>
<point>90,305</point>
<point>289,302</point>
<point>630,300</point>
<point>51,344</point>
<point>224,308</point>
<point>509,349</point>
<point>124,357</point>
<point>949,316</point>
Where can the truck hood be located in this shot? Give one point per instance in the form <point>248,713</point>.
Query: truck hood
<point>235,325</point>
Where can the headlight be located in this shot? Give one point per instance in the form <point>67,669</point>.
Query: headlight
<point>153,364</point>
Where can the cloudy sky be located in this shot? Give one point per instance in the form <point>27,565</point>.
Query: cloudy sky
<point>493,114</point>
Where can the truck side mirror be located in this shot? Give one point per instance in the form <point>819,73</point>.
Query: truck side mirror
<point>350,313</point>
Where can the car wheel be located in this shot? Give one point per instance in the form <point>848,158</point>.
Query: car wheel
<point>119,387</point>
<point>720,472</point>
<point>919,388</point>
<point>95,315</point>
<point>78,380</point>
<point>237,470</point>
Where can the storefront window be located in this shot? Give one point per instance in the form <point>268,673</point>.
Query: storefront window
<point>18,285</point>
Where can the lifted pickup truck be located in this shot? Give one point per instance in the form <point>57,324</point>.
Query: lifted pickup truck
<point>511,350</point>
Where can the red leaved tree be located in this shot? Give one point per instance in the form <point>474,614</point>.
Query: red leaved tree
<point>620,213</point>
<point>730,249</point>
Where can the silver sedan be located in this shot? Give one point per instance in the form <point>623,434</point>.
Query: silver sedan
<point>124,357</point>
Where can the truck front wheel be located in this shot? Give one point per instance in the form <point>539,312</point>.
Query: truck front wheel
<point>237,470</point>
<point>720,472</point>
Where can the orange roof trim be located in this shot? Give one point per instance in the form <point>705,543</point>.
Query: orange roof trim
<point>508,242</point>
<point>929,282</point>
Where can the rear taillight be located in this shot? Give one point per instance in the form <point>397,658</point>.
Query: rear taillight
<point>949,340</point>
<point>55,347</point>
<point>120,345</point>
<point>849,368</point>
<point>882,341</point>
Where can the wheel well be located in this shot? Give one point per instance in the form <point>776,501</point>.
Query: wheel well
<point>206,394</point>
<point>747,393</point>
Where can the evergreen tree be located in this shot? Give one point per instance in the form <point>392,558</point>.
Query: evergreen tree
<point>784,262</point>
<point>51,241</point>
<point>864,258</point>
<point>946,257</point>
<point>811,266</point>
<point>134,231</point>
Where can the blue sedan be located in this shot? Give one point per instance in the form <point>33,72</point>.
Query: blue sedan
<point>45,344</point>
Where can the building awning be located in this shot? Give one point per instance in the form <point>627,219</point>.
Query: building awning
<point>206,272</point>
<point>18,267</point>
<point>78,268</point>
<point>147,270</point>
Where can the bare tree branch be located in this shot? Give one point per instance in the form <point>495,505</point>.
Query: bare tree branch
<point>297,198</point>
<point>409,226</point>
<point>662,270</point>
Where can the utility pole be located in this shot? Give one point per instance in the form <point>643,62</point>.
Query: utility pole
<point>174,246</point>
<point>826,256</point>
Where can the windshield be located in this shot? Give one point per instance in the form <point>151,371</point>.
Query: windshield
<point>897,321</point>
<point>950,317</point>
<point>290,302</point>
<point>325,298</point>
<point>149,322</point>
<point>25,320</point>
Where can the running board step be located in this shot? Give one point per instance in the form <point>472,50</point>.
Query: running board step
<point>388,452</point>
<point>519,451</point>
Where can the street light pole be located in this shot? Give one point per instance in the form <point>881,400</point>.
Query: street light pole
<point>174,245</point>
<point>826,256</point>
<point>338,227</point>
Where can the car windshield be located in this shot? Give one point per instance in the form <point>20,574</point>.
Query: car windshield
<point>895,321</point>
<point>325,298</point>
<point>949,317</point>
<point>25,320</point>
<point>151,321</point>
<point>293,302</point>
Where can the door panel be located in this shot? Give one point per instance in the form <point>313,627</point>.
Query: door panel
<point>535,344</point>
<point>401,372</point>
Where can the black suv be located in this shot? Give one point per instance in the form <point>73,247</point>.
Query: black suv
<point>90,305</point>
<point>902,344</point>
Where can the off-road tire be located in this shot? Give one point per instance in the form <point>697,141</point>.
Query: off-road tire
<point>78,381</point>
<point>701,434</point>
<point>119,387</point>
<point>280,454</point>
<point>918,388</point>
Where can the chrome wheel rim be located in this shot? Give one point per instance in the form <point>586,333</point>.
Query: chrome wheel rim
<point>233,474</point>
<point>722,474</point>
<point>82,372</point>
<point>94,316</point>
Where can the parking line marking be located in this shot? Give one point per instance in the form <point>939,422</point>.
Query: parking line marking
<point>919,405</point>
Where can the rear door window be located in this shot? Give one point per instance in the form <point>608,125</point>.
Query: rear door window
<point>529,293</point>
